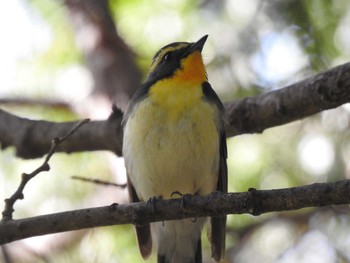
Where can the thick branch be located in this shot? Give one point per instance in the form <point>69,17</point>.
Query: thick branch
<point>32,138</point>
<point>323,91</point>
<point>253,202</point>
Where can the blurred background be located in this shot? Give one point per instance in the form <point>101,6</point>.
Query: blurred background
<point>64,60</point>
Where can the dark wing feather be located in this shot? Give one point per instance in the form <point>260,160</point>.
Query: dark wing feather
<point>143,233</point>
<point>218,224</point>
<point>140,94</point>
<point>198,256</point>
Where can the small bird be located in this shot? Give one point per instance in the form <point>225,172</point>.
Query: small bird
<point>174,142</point>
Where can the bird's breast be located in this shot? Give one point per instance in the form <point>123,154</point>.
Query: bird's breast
<point>172,146</point>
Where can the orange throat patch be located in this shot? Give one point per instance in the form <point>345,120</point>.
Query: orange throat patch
<point>192,70</point>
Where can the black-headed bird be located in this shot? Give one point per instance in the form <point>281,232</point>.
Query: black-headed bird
<point>174,142</point>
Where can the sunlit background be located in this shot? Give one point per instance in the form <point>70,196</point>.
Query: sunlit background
<point>253,47</point>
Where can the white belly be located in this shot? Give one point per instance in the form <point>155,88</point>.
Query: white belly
<point>164,154</point>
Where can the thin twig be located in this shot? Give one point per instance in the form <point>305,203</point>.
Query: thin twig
<point>97,181</point>
<point>18,194</point>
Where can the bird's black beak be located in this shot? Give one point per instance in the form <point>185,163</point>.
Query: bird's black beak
<point>198,46</point>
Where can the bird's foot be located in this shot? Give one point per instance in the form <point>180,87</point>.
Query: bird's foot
<point>184,198</point>
<point>176,193</point>
<point>152,202</point>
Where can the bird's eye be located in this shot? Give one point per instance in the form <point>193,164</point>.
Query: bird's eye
<point>167,57</point>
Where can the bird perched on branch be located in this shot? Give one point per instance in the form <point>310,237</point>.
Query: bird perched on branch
<point>174,142</point>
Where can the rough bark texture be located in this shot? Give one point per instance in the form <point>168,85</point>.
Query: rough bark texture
<point>323,91</point>
<point>254,202</point>
<point>33,138</point>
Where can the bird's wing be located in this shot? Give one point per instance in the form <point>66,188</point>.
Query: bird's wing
<point>218,224</point>
<point>143,233</point>
<point>140,94</point>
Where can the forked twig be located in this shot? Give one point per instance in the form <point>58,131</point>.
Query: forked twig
<point>18,194</point>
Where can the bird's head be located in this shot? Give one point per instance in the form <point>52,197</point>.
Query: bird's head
<point>179,62</point>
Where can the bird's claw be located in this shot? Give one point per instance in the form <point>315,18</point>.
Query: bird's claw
<point>184,200</point>
<point>152,201</point>
<point>184,197</point>
<point>176,193</point>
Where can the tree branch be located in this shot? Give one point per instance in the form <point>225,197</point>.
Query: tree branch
<point>254,202</point>
<point>18,194</point>
<point>32,138</point>
<point>323,91</point>
<point>97,181</point>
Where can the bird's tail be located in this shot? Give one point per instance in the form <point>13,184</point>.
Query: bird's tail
<point>179,241</point>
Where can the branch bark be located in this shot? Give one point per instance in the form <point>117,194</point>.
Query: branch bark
<point>254,202</point>
<point>32,138</point>
<point>323,91</point>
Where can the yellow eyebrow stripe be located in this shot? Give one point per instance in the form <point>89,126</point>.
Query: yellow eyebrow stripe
<point>158,57</point>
